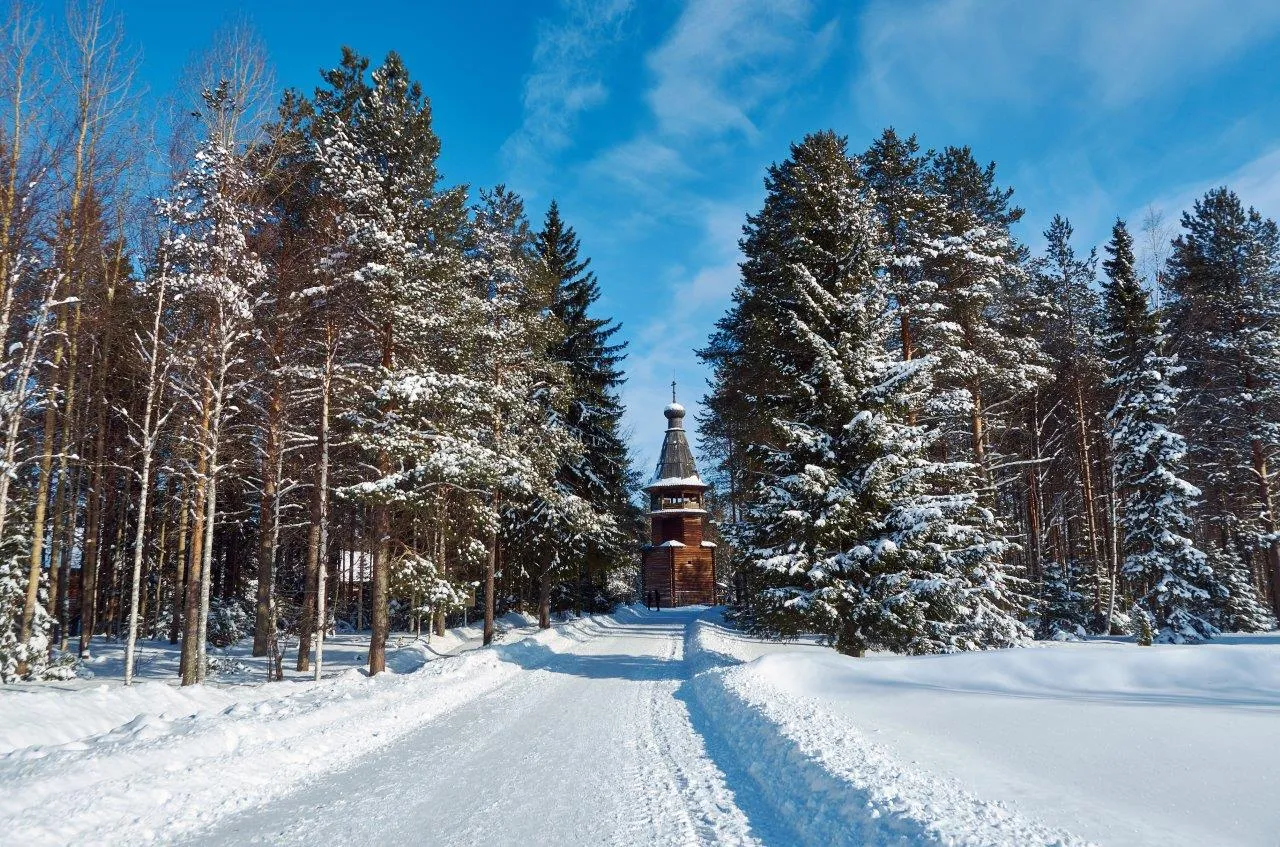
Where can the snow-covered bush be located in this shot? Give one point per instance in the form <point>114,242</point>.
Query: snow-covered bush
<point>1240,609</point>
<point>1143,626</point>
<point>229,621</point>
<point>29,659</point>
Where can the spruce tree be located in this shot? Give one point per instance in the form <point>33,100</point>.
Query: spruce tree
<point>854,531</point>
<point>1240,610</point>
<point>1224,276</point>
<point>1062,610</point>
<point>1171,577</point>
<point>589,522</point>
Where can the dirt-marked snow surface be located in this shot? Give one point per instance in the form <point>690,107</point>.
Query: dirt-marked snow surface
<point>666,728</point>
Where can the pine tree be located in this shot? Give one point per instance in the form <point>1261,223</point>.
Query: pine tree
<point>1240,610</point>
<point>1171,576</point>
<point>1062,610</point>
<point>1224,276</point>
<point>1070,335</point>
<point>895,172</point>
<point>984,358</point>
<point>397,247</point>
<point>854,532</point>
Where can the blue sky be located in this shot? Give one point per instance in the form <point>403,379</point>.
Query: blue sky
<point>652,121</point>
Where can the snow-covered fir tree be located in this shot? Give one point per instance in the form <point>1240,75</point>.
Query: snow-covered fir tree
<point>1224,278</point>
<point>1061,612</point>
<point>1170,575</point>
<point>600,474</point>
<point>1240,609</point>
<point>855,532</point>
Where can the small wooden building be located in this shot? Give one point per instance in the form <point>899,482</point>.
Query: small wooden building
<point>678,562</point>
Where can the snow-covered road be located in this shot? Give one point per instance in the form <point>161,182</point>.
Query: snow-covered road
<point>643,728</point>
<point>595,745</point>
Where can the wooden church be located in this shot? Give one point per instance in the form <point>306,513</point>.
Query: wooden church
<point>678,562</point>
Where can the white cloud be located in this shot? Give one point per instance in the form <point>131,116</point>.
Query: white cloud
<point>563,83</point>
<point>955,55</point>
<point>724,58</point>
<point>1256,182</point>
<point>662,349</point>
<point>641,165</point>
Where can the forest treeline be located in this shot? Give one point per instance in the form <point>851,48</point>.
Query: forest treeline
<point>929,438</point>
<point>273,371</point>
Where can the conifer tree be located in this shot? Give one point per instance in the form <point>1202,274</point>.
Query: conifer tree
<point>1224,277</point>
<point>1070,334</point>
<point>397,248</point>
<point>1240,610</point>
<point>1062,610</point>
<point>1172,578</point>
<point>602,474</point>
<point>215,277</point>
<point>984,358</point>
<point>853,531</point>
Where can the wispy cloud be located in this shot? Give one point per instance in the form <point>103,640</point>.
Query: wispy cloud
<point>564,82</point>
<point>725,58</point>
<point>958,56</point>
<point>1257,182</point>
<point>719,74</point>
<point>662,349</point>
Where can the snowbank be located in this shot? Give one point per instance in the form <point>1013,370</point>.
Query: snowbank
<point>822,774</point>
<point>150,759</point>
<point>1111,743</point>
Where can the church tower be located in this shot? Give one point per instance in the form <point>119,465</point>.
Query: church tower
<point>678,562</point>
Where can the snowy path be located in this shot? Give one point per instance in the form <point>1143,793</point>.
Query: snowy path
<point>596,745</point>
<point>639,728</point>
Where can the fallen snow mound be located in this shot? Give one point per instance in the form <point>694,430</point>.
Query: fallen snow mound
<point>1200,675</point>
<point>822,774</point>
<point>153,761</point>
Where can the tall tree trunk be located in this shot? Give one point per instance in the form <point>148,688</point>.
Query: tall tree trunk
<point>89,552</point>
<point>1262,477</point>
<point>306,616</point>
<point>267,508</point>
<point>144,485</point>
<point>1087,492</point>
<point>490,571</point>
<point>195,568</point>
<point>322,503</point>
<point>544,599</point>
<point>180,565</point>
<point>382,538</point>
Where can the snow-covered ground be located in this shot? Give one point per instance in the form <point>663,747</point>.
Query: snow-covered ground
<point>664,728</point>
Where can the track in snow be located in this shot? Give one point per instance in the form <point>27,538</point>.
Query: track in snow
<point>593,746</point>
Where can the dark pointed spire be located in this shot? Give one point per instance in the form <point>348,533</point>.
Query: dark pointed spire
<point>675,462</point>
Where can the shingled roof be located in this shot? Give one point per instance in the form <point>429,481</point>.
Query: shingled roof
<point>675,462</point>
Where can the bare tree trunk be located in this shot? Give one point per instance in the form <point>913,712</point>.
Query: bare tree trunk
<point>382,540</point>
<point>180,565</point>
<point>322,501</point>
<point>1262,476</point>
<point>544,599</point>
<point>1087,492</point>
<point>490,571</point>
<point>195,570</point>
<point>148,444</point>
<point>92,531</point>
